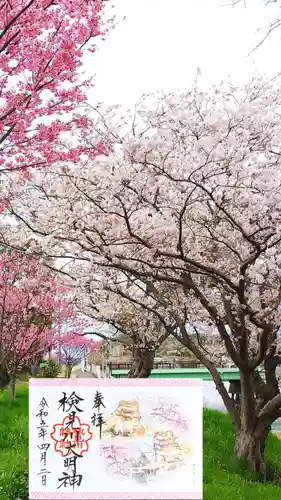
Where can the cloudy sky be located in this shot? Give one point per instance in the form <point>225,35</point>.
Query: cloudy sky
<point>162,42</point>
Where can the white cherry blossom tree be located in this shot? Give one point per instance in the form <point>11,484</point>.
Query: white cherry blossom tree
<point>188,207</point>
<point>141,333</point>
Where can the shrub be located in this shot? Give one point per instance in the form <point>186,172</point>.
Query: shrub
<point>51,369</point>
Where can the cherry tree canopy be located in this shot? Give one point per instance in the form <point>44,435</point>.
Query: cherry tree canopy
<point>42,43</point>
<point>72,349</point>
<point>33,309</point>
<point>188,204</point>
<point>139,330</point>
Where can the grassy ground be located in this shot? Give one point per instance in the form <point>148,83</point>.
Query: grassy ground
<point>224,477</point>
<point>14,445</point>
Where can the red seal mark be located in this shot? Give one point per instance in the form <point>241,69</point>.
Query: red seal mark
<point>71,437</point>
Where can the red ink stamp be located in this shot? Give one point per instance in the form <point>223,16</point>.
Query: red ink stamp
<point>71,436</point>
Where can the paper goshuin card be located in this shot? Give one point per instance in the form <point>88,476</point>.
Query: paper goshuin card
<point>115,439</point>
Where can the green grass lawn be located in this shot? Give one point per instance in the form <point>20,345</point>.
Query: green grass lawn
<point>224,477</point>
<point>14,445</point>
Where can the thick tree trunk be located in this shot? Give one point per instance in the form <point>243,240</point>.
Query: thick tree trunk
<point>143,360</point>
<point>251,448</point>
<point>12,388</point>
<point>251,435</point>
<point>68,370</point>
<point>263,440</point>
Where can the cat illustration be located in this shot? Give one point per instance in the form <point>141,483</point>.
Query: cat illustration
<point>126,420</point>
<point>166,448</point>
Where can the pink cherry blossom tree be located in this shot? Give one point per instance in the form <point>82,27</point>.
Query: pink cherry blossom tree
<point>31,302</point>
<point>183,220</point>
<point>42,44</point>
<point>96,346</point>
<point>72,349</point>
